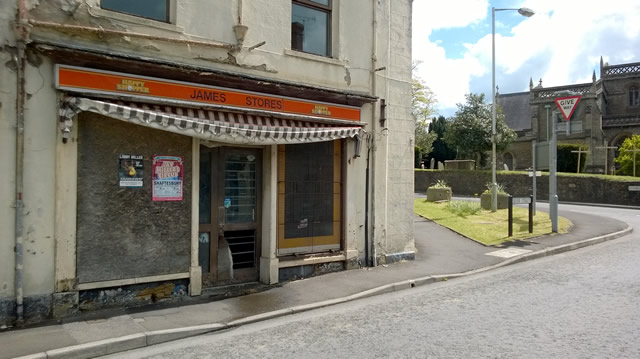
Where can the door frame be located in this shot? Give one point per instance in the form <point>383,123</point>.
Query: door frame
<point>215,230</point>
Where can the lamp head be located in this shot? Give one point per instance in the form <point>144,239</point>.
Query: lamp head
<point>525,12</point>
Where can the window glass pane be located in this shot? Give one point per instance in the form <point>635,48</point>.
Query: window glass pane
<point>152,9</point>
<point>323,2</point>
<point>308,190</point>
<point>240,188</point>
<point>309,30</point>
<point>204,251</point>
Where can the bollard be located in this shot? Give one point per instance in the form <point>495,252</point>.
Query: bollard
<point>510,216</point>
<point>531,210</point>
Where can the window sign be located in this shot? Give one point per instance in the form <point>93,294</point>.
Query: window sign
<point>168,174</point>
<point>131,171</point>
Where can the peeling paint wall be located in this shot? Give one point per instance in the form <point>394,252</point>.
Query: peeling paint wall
<point>7,150</point>
<point>394,145</point>
<point>41,125</point>
<point>349,68</point>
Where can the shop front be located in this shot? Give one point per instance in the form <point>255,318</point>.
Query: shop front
<point>199,185</point>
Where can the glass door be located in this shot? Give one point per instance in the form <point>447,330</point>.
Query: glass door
<point>229,214</point>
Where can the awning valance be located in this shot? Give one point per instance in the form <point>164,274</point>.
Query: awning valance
<point>214,125</point>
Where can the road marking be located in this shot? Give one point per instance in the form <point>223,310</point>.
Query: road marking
<point>508,252</point>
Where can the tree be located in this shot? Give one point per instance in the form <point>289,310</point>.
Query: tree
<point>627,153</point>
<point>422,107</point>
<point>441,151</point>
<point>470,131</point>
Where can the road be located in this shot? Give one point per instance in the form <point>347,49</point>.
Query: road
<point>580,304</point>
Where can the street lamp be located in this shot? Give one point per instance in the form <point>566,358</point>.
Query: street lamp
<point>494,185</point>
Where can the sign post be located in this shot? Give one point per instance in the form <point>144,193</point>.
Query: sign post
<point>553,160</point>
<point>567,106</point>
<point>520,200</point>
<point>533,169</point>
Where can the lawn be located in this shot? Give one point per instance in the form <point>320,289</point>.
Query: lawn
<point>484,226</point>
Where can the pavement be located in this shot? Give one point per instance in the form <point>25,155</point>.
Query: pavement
<point>441,254</point>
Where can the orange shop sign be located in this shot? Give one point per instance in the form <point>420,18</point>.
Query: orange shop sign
<point>84,80</point>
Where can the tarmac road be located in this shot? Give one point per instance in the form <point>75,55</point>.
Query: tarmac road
<point>579,304</point>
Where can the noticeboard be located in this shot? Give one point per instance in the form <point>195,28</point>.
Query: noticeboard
<point>542,156</point>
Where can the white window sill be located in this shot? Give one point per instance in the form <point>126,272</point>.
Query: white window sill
<point>318,58</point>
<point>99,12</point>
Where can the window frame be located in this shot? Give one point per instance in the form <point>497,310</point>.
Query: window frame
<point>327,9</point>
<point>634,96</point>
<point>312,244</point>
<point>167,12</point>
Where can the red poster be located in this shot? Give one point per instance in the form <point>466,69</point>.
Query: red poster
<point>168,175</point>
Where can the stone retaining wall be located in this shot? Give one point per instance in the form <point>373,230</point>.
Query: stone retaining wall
<point>586,189</point>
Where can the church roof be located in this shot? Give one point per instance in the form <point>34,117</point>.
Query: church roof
<point>517,112</point>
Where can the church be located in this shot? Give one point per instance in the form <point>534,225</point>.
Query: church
<point>607,114</point>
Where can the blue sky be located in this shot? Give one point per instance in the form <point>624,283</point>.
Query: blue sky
<point>561,44</point>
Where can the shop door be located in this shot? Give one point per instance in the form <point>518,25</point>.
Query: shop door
<point>229,215</point>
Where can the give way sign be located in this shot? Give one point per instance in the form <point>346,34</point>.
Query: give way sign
<point>567,105</point>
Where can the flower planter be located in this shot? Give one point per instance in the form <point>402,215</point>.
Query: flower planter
<point>438,194</point>
<point>485,201</point>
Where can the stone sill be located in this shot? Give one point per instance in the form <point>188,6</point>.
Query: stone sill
<point>318,58</point>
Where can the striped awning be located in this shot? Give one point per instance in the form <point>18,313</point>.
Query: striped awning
<point>220,126</point>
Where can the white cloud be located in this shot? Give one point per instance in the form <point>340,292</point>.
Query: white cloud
<point>436,69</point>
<point>562,44</point>
<point>448,14</point>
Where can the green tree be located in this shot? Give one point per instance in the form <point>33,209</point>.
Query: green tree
<point>470,131</point>
<point>422,107</point>
<point>625,159</point>
<point>441,151</point>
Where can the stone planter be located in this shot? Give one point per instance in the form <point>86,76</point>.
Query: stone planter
<point>485,201</point>
<point>438,194</point>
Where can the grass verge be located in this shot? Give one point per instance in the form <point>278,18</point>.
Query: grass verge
<point>487,227</point>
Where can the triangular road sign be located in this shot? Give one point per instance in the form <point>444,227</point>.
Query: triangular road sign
<point>567,105</point>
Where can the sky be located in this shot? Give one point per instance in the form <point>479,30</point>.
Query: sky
<point>561,44</point>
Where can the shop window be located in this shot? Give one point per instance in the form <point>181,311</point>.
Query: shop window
<point>309,197</point>
<point>311,26</point>
<point>150,9</point>
<point>634,96</point>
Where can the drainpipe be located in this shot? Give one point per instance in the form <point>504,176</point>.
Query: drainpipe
<point>371,174</point>
<point>22,33</point>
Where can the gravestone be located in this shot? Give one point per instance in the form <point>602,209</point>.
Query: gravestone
<point>432,164</point>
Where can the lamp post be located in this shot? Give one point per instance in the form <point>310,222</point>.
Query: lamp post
<point>494,185</point>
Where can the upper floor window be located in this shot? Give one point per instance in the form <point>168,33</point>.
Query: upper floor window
<point>311,26</point>
<point>634,96</point>
<point>151,9</point>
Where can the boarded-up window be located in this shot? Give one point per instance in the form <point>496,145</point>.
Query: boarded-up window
<point>121,232</point>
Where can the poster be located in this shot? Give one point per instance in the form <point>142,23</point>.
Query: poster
<point>131,171</point>
<point>168,174</point>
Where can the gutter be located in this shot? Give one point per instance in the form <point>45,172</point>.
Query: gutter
<point>371,173</point>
